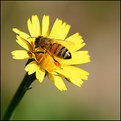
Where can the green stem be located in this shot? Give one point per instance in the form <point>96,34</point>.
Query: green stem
<point>24,86</point>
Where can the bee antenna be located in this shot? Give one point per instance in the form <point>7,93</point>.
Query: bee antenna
<point>31,37</point>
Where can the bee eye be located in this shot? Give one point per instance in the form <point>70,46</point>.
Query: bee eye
<point>37,39</point>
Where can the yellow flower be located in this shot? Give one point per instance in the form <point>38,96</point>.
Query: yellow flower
<point>44,62</point>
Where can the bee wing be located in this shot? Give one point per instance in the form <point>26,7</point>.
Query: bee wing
<point>65,43</point>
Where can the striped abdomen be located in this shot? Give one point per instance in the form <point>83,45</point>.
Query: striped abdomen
<point>60,51</point>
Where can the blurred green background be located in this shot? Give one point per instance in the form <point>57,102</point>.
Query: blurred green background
<point>99,97</point>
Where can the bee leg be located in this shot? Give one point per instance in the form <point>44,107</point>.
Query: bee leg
<point>43,55</point>
<point>56,62</point>
<point>39,52</point>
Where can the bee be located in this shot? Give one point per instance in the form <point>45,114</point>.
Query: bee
<point>53,48</point>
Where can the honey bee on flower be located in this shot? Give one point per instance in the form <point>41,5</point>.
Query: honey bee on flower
<point>52,53</point>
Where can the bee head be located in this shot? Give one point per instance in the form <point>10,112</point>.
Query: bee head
<point>37,41</point>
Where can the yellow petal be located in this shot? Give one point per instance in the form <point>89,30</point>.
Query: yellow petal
<point>40,75</point>
<point>20,54</point>
<point>22,35</point>
<point>34,26</point>
<point>45,26</point>
<point>25,44</point>
<point>32,67</point>
<point>79,57</point>
<point>77,40</point>
<point>58,82</point>
<point>30,28</point>
<point>59,30</point>
<point>74,74</point>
